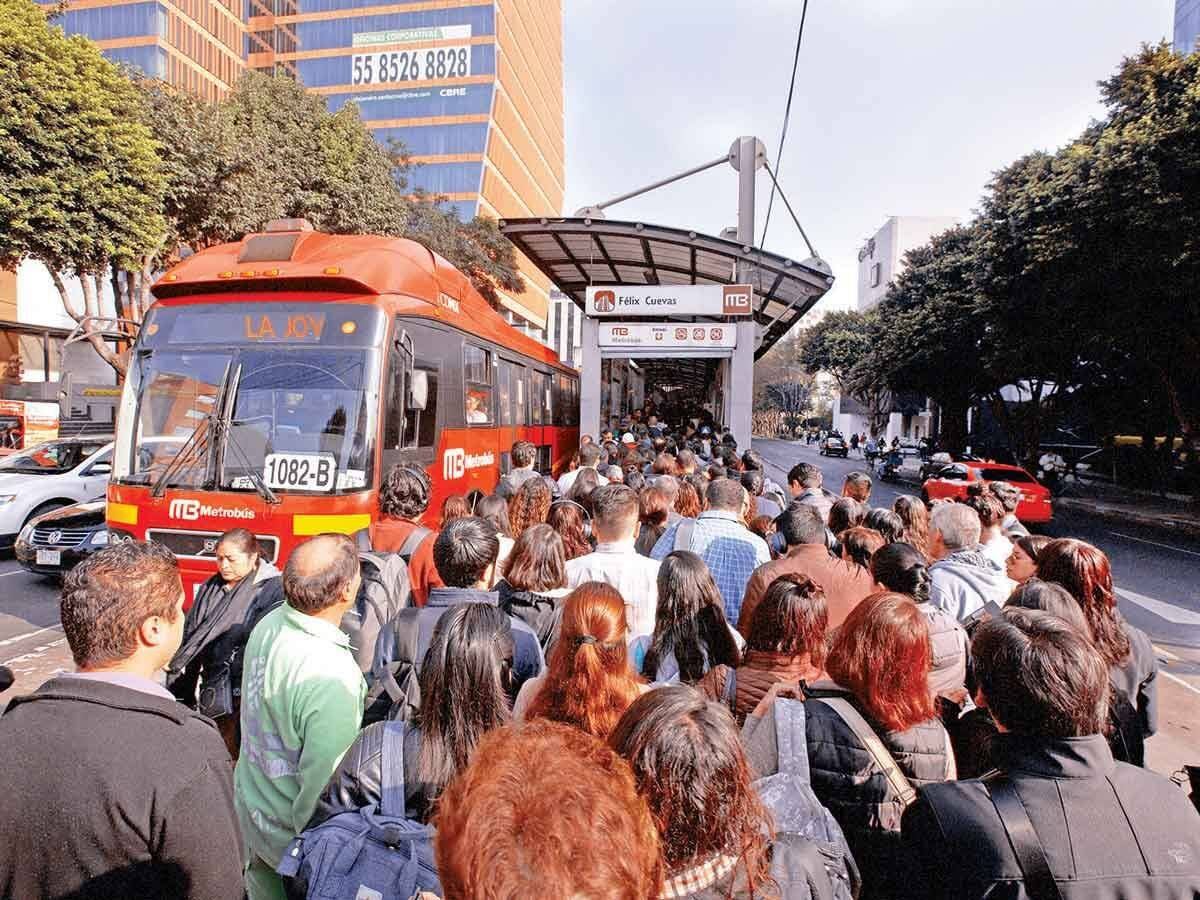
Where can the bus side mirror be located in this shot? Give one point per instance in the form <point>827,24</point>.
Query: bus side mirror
<point>418,389</point>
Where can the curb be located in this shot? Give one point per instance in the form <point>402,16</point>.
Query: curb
<point>1175,524</point>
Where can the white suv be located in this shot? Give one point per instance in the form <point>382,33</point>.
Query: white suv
<point>53,474</point>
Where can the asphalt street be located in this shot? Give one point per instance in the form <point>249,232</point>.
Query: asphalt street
<point>1157,574</point>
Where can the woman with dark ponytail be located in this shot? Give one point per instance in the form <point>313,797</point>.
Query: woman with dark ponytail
<point>901,568</point>
<point>589,682</point>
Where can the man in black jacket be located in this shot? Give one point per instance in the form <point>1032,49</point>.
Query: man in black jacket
<point>1074,822</point>
<point>111,788</point>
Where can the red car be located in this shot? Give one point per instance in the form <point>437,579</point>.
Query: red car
<point>951,483</point>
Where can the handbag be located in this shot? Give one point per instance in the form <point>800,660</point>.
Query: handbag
<point>216,694</point>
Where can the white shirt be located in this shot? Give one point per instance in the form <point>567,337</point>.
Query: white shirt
<point>998,549</point>
<point>633,575</point>
<point>568,478</point>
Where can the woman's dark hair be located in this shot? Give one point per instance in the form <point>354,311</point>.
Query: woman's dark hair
<point>846,512</point>
<point>889,627</point>
<point>495,510</point>
<point>915,516</point>
<point>860,543</point>
<point>635,480</point>
<point>464,683</point>
<point>1085,572</point>
<point>792,618</point>
<point>654,507</point>
<point>1032,545</point>
<point>567,520</point>
<point>529,505</point>
<point>242,540</point>
<point>688,761</point>
<point>887,523</point>
<point>690,620</point>
<point>537,562</point>
<point>1052,598</point>
<point>1040,676</point>
<point>581,489</point>
<point>405,492</point>
<point>700,482</point>
<point>901,568</point>
<point>987,507</point>
<point>763,526</point>
<point>687,501</point>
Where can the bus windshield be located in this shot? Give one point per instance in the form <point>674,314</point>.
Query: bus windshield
<point>293,415</point>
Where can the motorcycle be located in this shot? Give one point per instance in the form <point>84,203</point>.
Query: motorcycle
<point>889,466</point>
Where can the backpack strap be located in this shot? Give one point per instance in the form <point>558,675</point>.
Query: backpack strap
<point>791,738</point>
<point>683,535</point>
<point>729,691</point>
<point>412,542</point>
<point>1031,855</point>
<point>882,756</point>
<point>391,763</point>
<point>408,637</point>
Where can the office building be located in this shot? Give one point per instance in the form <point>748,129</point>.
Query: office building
<point>473,89</point>
<point>1187,25</point>
<point>564,329</point>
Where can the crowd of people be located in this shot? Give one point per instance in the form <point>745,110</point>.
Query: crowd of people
<point>661,674</point>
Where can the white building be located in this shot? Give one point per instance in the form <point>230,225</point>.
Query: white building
<point>880,261</point>
<point>564,329</point>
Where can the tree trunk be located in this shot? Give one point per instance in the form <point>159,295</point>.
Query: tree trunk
<point>105,352</point>
<point>953,434</point>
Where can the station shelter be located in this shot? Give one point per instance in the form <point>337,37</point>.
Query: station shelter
<point>669,314</point>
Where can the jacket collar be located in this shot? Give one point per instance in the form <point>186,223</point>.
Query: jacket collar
<point>114,696</point>
<point>451,596</point>
<point>818,551</point>
<point>725,514</point>
<point>314,626</point>
<point>626,548</point>
<point>1080,757</point>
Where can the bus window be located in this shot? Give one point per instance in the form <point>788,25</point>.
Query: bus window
<point>420,425</point>
<point>548,404</point>
<point>477,376</point>
<point>520,395</point>
<point>537,398</point>
<point>504,373</point>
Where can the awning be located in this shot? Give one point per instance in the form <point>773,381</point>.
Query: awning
<point>577,252</point>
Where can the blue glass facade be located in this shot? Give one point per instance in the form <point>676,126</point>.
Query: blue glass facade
<point>1187,25</point>
<point>125,21</point>
<point>469,99</point>
<point>340,32</point>
<point>429,140</point>
<point>151,60</point>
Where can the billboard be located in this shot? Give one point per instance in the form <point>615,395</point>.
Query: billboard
<point>670,300</point>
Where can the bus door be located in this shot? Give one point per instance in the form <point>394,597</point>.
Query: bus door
<point>410,420</point>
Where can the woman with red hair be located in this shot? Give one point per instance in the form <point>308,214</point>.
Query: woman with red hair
<point>589,681</point>
<point>879,696</point>
<point>1085,572</point>
<point>529,506</point>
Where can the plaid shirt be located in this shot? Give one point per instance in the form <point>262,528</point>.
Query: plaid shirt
<point>694,880</point>
<point>731,551</point>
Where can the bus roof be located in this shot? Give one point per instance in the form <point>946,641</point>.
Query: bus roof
<point>291,256</point>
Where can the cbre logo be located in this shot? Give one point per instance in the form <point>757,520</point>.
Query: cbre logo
<point>188,510</point>
<point>735,300</point>
<point>454,464</point>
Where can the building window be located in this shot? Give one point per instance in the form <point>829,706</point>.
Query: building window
<point>875,275</point>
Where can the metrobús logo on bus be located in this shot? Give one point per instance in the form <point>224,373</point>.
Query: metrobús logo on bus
<point>191,510</point>
<point>456,462</point>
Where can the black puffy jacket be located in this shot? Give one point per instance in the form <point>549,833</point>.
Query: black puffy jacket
<point>847,780</point>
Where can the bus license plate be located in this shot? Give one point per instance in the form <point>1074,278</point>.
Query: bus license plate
<point>300,471</point>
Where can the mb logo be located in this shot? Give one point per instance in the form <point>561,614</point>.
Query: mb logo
<point>188,510</point>
<point>454,464</point>
<point>605,301</point>
<point>735,300</point>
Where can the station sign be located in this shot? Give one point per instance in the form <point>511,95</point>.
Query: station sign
<point>639,335</point>
<point>670,300</point>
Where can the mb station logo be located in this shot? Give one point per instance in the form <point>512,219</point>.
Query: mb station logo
<point>455,462</point>
<point>735,300</point>
<point>191,510</point>
<point>606,301</point>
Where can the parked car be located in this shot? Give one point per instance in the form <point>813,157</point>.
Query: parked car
<point>834,445</point>
<point>55,542</point>
<point>49,476</point>
<point>951,483</point>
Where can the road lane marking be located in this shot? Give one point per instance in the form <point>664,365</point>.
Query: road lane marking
<point>28,634</point>
<point>35,653</point>
<point>1130,537</point>
<point>1169,611</point>
<point>1175,678</point>
<point>13,572</point>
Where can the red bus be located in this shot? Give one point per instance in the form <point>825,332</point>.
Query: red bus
<point>276,380</point>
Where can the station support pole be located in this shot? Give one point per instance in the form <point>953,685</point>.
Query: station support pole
<point>739,386</point>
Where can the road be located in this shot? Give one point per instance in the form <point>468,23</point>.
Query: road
<point>1157,577</point>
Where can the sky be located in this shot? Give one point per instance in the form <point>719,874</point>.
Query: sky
<point>902,107</point>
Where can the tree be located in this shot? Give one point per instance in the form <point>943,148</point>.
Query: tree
<point>81,184</point>
<point>839,344</point>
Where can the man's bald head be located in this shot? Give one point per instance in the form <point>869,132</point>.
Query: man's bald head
<point>318,573</point>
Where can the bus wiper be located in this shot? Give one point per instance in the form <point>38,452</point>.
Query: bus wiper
<point>263,489</point>
<point>193,450</point>
<point>224,426</point>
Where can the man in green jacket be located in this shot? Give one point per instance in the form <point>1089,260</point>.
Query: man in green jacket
<point>302,705</point>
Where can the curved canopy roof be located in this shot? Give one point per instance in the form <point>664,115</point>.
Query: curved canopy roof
<point>577,252</point>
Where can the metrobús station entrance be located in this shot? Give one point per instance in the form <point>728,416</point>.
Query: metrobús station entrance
<point>670,316</point>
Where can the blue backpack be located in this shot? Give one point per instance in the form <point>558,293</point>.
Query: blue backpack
<point>777,747</point>
<point>372,853</point>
